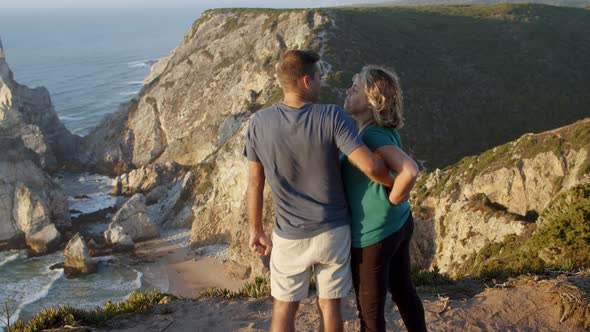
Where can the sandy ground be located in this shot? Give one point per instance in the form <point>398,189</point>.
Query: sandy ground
<point>527,306</point>
<point>187,271</point>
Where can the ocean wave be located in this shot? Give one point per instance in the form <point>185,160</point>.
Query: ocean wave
<point>134,83</point>
<point>94,203</point>
<point>13,257</point>
<point>141,63</point>
<point>36,296</point>
<point>138,279</point>
<point>129,93</point>
<point>71,118</point>
<point>155,276</point>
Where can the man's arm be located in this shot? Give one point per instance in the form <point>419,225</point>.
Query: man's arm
<point>258,242</point>
<point>372,166</point>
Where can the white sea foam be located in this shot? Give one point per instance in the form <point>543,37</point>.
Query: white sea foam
<point>12,257</point>
<point>141,63</point>
<point>134,83</point>
<point>95,178</point>
<point>71,118</point>
<point>95,202</point>
<point>138,279</point>
<point>129,93</point>
<point>57,274</point>
<point>155,276</point>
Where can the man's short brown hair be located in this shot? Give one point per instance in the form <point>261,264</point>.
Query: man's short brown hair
<point>295,64</point>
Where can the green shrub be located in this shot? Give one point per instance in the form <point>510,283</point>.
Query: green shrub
<point>257,289</point>
<point>561,242</point>
<point>56,317</point>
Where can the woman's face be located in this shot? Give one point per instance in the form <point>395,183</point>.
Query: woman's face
<point>356,101</point>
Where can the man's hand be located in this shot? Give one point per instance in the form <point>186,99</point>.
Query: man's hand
<point>372,165</point>
<point>260,243</point>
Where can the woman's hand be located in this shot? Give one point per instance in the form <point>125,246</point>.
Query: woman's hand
<point>406,169</point>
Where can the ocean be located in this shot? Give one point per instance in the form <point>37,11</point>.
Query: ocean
<point>90,61</point>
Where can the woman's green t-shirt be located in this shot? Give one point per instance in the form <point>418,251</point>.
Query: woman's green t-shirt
<point>373,217</point>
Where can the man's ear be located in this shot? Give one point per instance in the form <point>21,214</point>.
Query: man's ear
<point>306,80</point>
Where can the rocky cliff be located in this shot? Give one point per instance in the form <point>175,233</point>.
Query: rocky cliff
<point>32,206</point>
<point>33,142</point>
<point>196,104</point>
<point>200,94</point>
<point>454,74</point>
<point>28,114</point>
<point>458,210</point>
<point>482,199</point>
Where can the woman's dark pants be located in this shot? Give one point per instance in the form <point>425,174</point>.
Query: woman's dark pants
<point>381,267</point>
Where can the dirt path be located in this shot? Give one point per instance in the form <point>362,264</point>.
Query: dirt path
<point>528,306</point>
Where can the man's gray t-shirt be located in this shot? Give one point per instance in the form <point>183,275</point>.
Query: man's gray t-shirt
<point>299,150</point>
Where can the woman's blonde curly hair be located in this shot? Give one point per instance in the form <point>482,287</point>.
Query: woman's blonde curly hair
<point>384,94</point>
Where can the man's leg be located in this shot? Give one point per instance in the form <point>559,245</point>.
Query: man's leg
<point>283,316</point>
<point>290,272</point>
<point>330,314</point>
<point>332,271</point>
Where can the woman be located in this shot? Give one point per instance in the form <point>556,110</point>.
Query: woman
<point>382,223</point>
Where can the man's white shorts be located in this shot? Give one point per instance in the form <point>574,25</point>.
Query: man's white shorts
<point>292,262</point>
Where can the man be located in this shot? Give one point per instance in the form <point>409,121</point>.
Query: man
<point>295,146</point>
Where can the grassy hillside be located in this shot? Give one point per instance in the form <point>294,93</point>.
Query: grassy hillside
<point>560,242</point>
<point>474,76</point>
<point>570,138</point>
<point>567,3</point>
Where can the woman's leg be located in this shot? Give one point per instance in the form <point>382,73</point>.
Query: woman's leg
<point>400,283</point>
<point>370,269</point>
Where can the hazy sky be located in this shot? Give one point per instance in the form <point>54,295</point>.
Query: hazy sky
<point>92,4</point>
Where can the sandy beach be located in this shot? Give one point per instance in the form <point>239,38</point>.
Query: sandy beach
<point>187,271</point>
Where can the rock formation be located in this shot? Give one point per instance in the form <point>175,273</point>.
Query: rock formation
<point>201,93</point>
<point>133,220</point>
<point>28,114</point>
<point>32,205</point>
<point>197,101</point>
<point>455,214</point>
<point>501,192</point>
<point>196,98</point>
<point>77,260</point>
<point>33,141</point>
<point>119,239</point>
<point>144,179</point>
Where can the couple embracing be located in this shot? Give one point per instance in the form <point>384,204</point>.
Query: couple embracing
<point>339,189</point>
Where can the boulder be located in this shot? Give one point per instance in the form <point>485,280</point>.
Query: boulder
<point>77,260</point>
<point>44,241</point>
<point>134,220</point>
<point>117,237</point>
<point>145,179</point>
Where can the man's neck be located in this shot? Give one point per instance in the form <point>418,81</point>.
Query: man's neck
<point>295,100</point>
